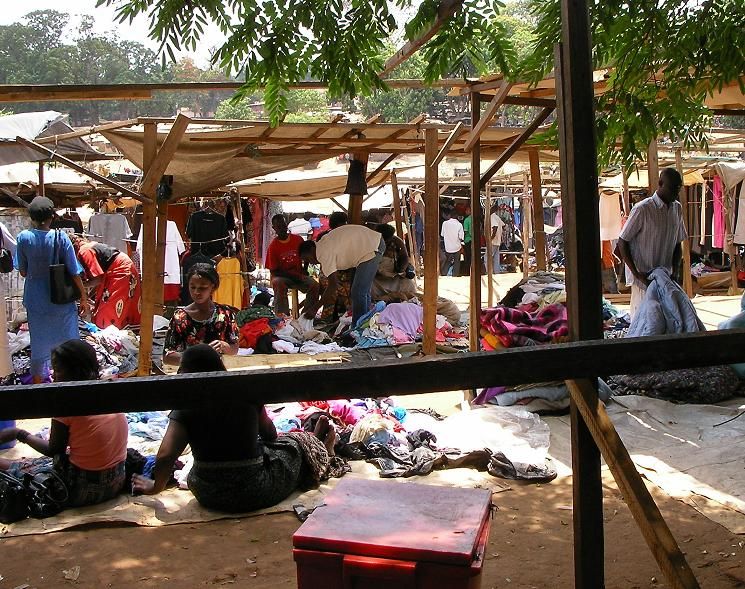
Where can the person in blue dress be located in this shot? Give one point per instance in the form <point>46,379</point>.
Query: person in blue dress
<point>49,324</point>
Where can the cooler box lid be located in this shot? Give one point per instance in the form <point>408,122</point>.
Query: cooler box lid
<point>403,521</point>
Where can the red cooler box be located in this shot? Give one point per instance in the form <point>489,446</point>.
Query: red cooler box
<point>373,534</point>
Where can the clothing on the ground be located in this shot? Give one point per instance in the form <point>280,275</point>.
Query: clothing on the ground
<point>230,291</point>
<point>347,247</point>
<point>174,248</point>
<point>208,232</point>
<point>513,327</point>
<point>282,256</point>
<point>665,309</point>
<point>96,442</point>
<point>184,332</point>
<point>49,324</point>
<point>117,296</point>
<point>452,235</point>
<point>110,228</point>
<point>653,230</point>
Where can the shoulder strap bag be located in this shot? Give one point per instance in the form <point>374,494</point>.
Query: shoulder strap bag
<point>61,286</point>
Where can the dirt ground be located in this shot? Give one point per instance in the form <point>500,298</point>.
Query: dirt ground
<point>530,546</point>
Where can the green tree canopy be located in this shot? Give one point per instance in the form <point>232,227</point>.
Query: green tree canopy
<point>666,54</point>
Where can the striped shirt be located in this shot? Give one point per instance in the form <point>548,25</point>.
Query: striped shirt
<point>652,231</point>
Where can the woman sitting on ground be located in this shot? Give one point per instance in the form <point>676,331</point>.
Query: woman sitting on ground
<point>87,452</point>
<point>394,281</point>
<point>203,321</point>
<point>240,464</point>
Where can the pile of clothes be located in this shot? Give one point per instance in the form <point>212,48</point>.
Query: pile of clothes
<point>536,291</point>
<point>504,327</point>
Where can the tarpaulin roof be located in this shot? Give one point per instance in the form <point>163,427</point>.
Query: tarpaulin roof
<point>35,125</point>
<point>640,179</point>
<point>731,173</point>
<point>210,158</point>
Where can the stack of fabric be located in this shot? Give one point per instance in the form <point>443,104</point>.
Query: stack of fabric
<point>503,327</point>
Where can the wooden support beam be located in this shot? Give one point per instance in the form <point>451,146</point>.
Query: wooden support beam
<point>78,168</point>
<point>474,308</point>
<point>653,167</point>
<point>431,241</point>
<point>148,257</point>
<point>486,117</point>
<point>626,195</point>
<point>42,191</point>
<point>539,231</point>
<point>660,540</point>
<point>580,200</point>
<point>13,196</point>
<point>408,211</point>
<point>687,278</point>
<point>457,131</point>
<point>515,145</point>
<point>445,10</point>
<point>87,131</point>
<point>338,204</point>
<point>382,166</point>
<point>525,207</point>
<point>397,205</point>
<point>165,154</point>
<point>512,366</point>
<point>91,94</point>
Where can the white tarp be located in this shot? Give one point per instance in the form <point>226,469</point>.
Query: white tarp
<point>34,125</point>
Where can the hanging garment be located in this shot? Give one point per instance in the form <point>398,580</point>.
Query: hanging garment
<point>718,221</point>
<point>111,229</point>
<point>174,248</point>
<point>739,237</point>
<point>208,232</point>
<point>610,216</point>
<point>704,196</point>
<point>230,291</point>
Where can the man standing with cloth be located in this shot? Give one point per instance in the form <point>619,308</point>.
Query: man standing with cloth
<point>651,237</point>
<point>346,247</point>
<point>452,236</point>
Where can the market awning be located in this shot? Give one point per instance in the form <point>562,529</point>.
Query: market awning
<point>640,179</point>
<point>35,125</point>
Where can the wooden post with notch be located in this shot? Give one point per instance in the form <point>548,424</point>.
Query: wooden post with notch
<point>687,278</point>
<point>539,231</point>
<point>580,199</point>
<point>148,266</point>
<point>397,205</point>
<point>431,240</point>
<point>474,315</point>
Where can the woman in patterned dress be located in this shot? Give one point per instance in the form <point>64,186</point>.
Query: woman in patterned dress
<point>203,321</point>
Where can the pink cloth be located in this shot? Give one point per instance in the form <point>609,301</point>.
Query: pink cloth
<point>717,239</point>
<point>517,328</point>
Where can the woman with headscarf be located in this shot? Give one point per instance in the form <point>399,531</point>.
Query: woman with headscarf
<point>49,324</point>
<point>86,452</point>
<point>115,281</point>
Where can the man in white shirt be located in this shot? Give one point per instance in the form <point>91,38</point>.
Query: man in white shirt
<point>452,236</point>
<point>651,237</point>
<point>346,247</point>
<point>496,240</point>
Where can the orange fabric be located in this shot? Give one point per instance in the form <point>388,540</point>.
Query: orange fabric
<point>97,442</point>
<point>607,252</point>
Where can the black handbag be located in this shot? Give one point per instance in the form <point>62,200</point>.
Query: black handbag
<point>61,286</point>
<point>40,495</point>
<point>6,259</point>
<point>14,499</point>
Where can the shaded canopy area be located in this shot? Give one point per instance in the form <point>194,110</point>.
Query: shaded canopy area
<point>34,126</point>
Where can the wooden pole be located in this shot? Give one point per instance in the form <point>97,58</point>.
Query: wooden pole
<point>579,194</point>
<point>42,191</point>
<point>525,209</point>
<point>408,212</point>
<point>653,167</point>
<point>431,240</point>
<point>489,248</point>
<point>474,315</point>
<point>687,278</point>
<point>539,231</point>
<point>660,540</point>
<point>356,200</point>
<point>148,265</point>
<point>397,205</point>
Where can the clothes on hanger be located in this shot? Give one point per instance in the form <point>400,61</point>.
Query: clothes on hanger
<point>174,248</point>
<point>68,220</point>
<point>111,229</point>
<point>208,232</point>
<point>230,291</point>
